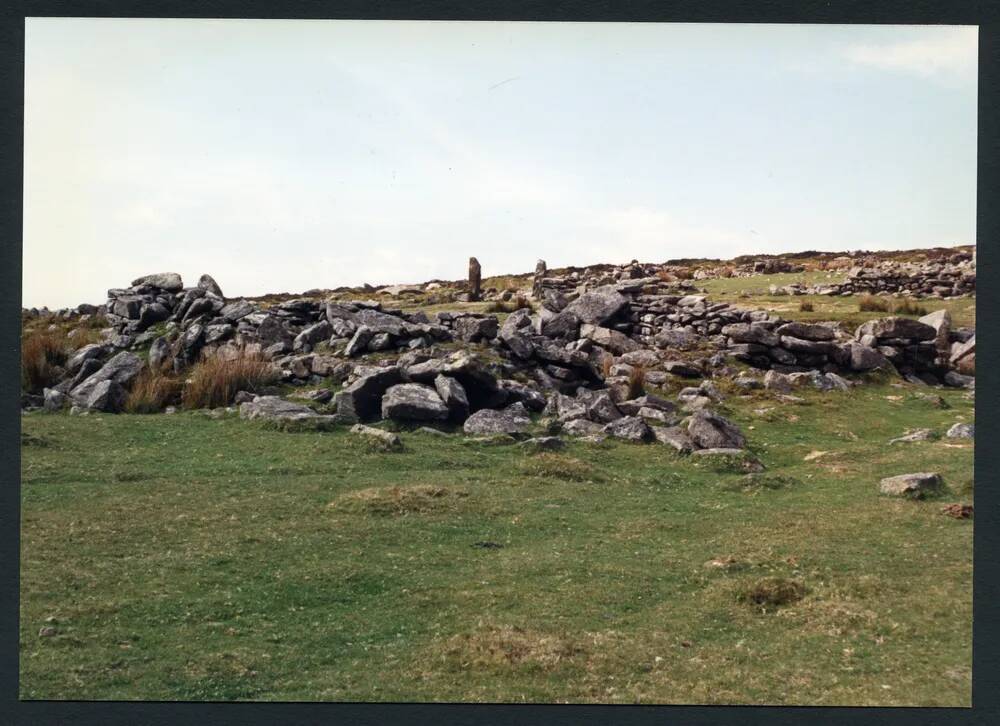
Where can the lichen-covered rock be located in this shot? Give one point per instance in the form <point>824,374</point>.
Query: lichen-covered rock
<point>362,399</point>
<point>896,327</point>
<point>169,281</point>
<point>912,486</point>
<point>675,437</point>
<point>598,306</point>
<point>629,428</point>
<point>711,431</point>
<point>413,402</point>
<point>453,395</point>
<point>962,431</point>
<point>512,420</point>
<point>386,439</point>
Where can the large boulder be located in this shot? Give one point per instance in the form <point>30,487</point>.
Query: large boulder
<point>362,398</point>
<point>940,320</point>
<point>711,431</point>
<point>629,428</point>
<point>236,310</point>
<point>896,327</point>
<point>454,397</point>
<point>612,340</point>
<point>358,344</point>
<point>561,325</point>
<point>863,358</point>
<point>513,420</point>
<point>963,356</point>
<point>806,331</point>
<point>474,329</point>
<point>107,395</point>
<point>87,352</point>
<point>159,353</point>
<point>598,306</point>
<point>207,282</point>
<point>169,281</point>
<point>122,369</point>
<point>911,486</point>
<point>480,385</point>
<point>675,437</point>
<point>602,409</point>
<point>313,334</point>
<point>274,407</point>
<point>413,402</point>
<point>747,333</point>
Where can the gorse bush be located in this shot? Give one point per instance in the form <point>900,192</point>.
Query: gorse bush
<point>215,381</point>
<point>151,392</point>
<point>43,352</point>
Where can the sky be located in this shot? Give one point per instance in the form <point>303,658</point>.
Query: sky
<point>285,155</point>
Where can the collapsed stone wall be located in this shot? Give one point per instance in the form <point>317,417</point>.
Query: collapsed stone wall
<point>584,336</point>
<point>953,278</point>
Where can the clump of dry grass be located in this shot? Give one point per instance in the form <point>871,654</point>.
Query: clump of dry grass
<point>806,307</point>
<point>772,592</point>
<point>399,500</point>
<point>873,304</point>
<point>491,646</point>
<point>43,353</point>
<point>517,302</point>
<point>215,381</point>
<point>557,466</point>
<point>151,392</point>
<point>636,382</point>
<point>908,307</point>
<point>79,337</point>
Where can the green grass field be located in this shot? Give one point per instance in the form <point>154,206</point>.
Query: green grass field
<point>183,557</point>
<point>754,292</point>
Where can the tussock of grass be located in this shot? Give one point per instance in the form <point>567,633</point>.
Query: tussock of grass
<point>772,592</point>
<point>636,382</point>
<point>548,465</point>
<point>518,302</point>
<point>31,440</point>
<point>43,352</point>
<point>399,500</point>
<point>493,647</point>
<point>215,381</point>
<point>873,303</point>
<point>151,392</point>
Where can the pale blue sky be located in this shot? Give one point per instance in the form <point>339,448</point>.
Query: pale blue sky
<point>287,155</point>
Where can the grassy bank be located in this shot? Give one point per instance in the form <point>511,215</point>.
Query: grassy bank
<point>181,557</point>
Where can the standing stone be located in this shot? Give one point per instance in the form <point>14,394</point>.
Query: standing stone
<point>475,279</point>
<point>536,288</point>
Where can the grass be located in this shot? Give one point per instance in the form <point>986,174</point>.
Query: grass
<point>215,381</point>
<point>904,306</point>
<point>185,557</point>
<point>753,292</point>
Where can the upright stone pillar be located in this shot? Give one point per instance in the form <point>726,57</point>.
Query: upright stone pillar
<point>475,279</point>
<point>536,288</point>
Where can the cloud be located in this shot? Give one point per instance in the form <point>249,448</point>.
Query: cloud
<point>944,53</point>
